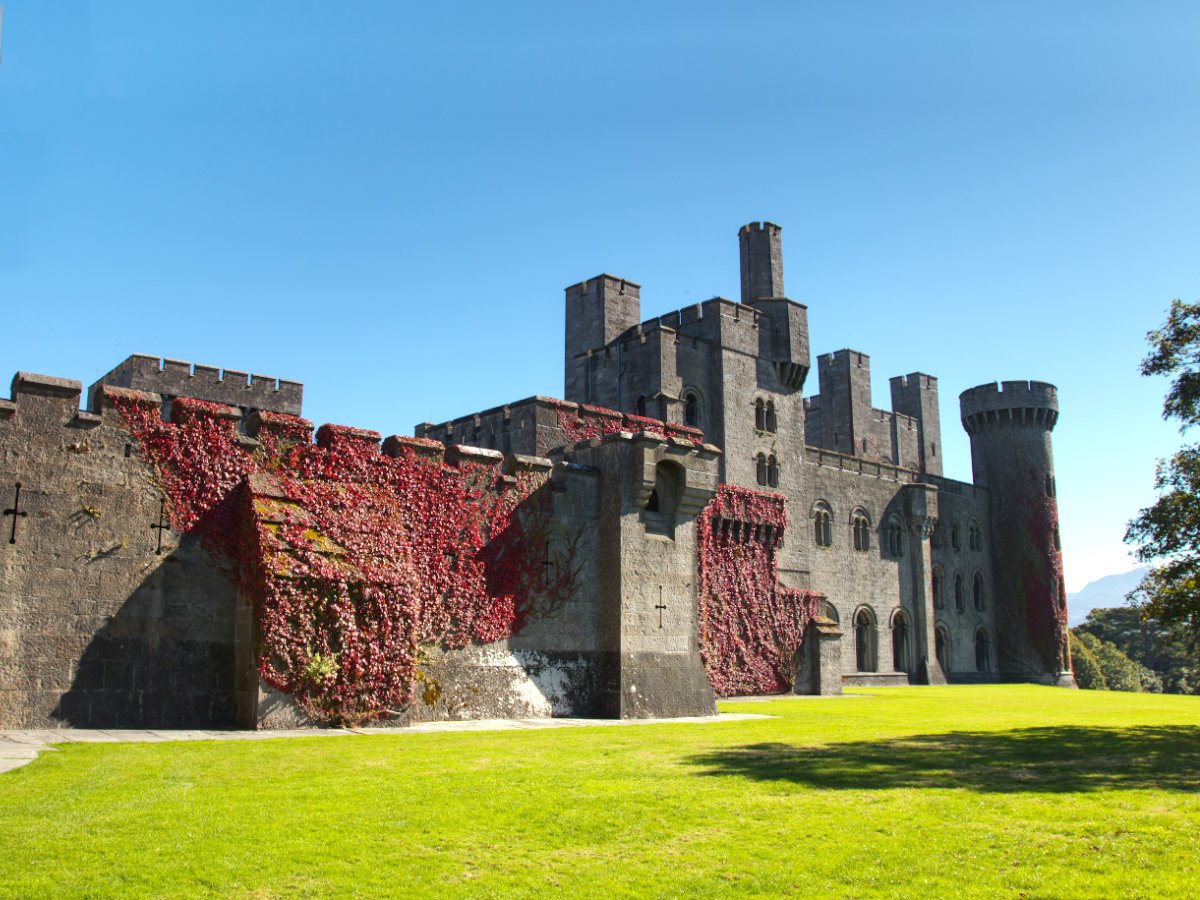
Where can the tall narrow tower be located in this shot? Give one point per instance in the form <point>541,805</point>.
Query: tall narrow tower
<point>1012,457</point>
<point>762,261</point>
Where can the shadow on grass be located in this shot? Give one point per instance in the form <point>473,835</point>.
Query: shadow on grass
<point>1062,759</point>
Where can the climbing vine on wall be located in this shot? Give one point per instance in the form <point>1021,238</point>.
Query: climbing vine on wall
<point>1041,573</point>
<point>355,560</point>
<point>580,423</point>
<point>750,628</point>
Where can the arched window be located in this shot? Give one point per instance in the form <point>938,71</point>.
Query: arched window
<point>895,533</point>
<point>941,643</point>
<point>659,515</point>
<point>938,601</point>
<point>760,469</point>
<point>770,417</point>
<point>901,654</point>
<point>1049,485</point>
<point>822,518</point>
<point>960,602</point>
<point>691,410</point>
<point>860,527</point>
<point>864,641</point>
<point>982,661</point>
<point>1057,539</point>
<point>955,538</point>
<point>935,539</point>
<point>772,471</point>
<point>760,415</point>
<point>974,536</point>
<point>977,591</point>
<point>641,406</point>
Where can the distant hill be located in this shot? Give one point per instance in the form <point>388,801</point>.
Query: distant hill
<point>1103,593</point>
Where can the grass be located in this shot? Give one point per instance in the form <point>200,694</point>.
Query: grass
<point>949,792</point>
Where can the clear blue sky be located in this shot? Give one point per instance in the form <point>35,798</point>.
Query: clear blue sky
<point>385,200</point>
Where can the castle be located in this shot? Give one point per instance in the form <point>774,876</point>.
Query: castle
<point>180,553</point>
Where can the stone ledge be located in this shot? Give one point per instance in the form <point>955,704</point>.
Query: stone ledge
<point>29,382</point>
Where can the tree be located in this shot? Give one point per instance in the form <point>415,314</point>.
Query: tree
<point>1117,671</point>
<point>1147,641</point>
<point>1169,531</point>
<point>1087,669</point>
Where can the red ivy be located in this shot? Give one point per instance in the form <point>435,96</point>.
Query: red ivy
<point>355,560</point>
<point>586,422</point>
<point>750,628</point>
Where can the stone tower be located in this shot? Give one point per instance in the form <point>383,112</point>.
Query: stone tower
<point>916,395</point>
<point>599,311</point>
<point>762,261</point>
<point>1012,457</point>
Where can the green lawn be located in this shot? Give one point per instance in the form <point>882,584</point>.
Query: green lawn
<point>961,791</point>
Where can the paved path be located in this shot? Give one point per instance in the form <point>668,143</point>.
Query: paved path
<point>20,747</point>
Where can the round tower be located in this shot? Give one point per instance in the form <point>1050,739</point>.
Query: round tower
<point>1012,457</point>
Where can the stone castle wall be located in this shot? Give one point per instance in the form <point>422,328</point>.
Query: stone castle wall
<point>97,628</point>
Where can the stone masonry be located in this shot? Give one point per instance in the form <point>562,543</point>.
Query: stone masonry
<point>108,620</point>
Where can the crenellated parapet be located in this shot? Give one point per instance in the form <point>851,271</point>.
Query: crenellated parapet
<point>1009,403</point>
<point>176,378</point>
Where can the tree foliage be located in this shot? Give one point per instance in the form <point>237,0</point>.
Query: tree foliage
<point>1146,641</point>
<point>1087,669</point>
<point>1168,532</point>
<point>1117,672</point>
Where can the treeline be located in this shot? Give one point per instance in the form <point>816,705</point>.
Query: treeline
<point>1117,650</point>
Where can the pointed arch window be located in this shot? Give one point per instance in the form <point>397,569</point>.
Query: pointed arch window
<point>942,648</point>
<point>860,527</point>
<point>974,536</point>
<point>895,536</point>
<point>977,591</point>
<point>960,601</point>
<point>822,518</point>
<point>901,655</point>
<point>865,641</point>
<point>982,656</point>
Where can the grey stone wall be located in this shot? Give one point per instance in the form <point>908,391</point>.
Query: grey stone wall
<point>962,505</point>
<point>96,628</point>
<point>170,378</point>
<point>650,492</point>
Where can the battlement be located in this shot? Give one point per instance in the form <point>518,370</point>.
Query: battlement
<point>536,425</point>
<point>45,401</point>
<point>1009,403</point>
<point>752,227</point>
<point>845,358</point>
<point>913,380</point>
<point>176,378</point>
